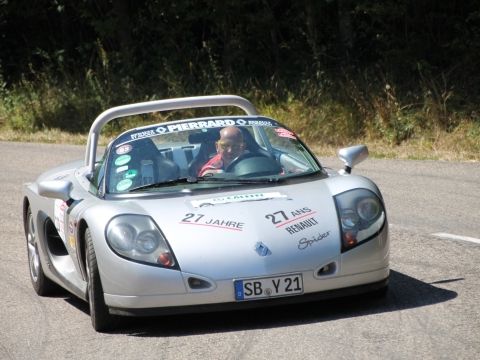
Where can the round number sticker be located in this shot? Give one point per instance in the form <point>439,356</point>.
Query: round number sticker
<point>122,160</point>
<point>124,184</point>
<point>124,149</point>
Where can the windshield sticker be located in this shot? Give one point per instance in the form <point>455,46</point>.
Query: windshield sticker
<point>124,184</point>
<point>237,198</point>
<point>122,160</point>
<point>130,174</point>
<point>285,133</point>
<point>124,149</point>
<point>304,243</point>
<point>200,124</point>
<point>281,218</point>
<point>121,169</point>
<point>199,219</point>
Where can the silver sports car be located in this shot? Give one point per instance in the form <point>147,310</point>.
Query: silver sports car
<point>203,214</point>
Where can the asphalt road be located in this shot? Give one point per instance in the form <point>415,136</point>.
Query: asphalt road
<point>432,310</point>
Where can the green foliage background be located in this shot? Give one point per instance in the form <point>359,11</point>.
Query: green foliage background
<point>332,69</point>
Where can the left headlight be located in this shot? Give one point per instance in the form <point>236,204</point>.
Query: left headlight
<point>136,237</point>
<point>362,216</point>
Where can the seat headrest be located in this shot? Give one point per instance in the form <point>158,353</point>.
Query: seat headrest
<point>210,135</point>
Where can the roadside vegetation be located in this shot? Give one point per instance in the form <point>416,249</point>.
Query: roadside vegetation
<point>399,76</point>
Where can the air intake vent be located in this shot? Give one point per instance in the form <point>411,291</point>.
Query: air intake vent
<point>197,284</point>
<point>54,241</point>
<point>328,269</point>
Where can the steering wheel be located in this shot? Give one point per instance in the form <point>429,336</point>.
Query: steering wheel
<point>238,159</point>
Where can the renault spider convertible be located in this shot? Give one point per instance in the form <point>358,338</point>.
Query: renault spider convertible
<point>141,231</point>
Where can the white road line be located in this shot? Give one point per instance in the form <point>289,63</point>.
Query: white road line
<point>456,237</point>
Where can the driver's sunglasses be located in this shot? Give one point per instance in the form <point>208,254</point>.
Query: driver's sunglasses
<point>225,145</point>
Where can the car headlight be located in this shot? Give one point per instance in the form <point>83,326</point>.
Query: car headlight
<point>361,214</point>
<point>136,237</point>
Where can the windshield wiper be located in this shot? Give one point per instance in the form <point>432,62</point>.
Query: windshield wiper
<point>251,181</point>
<point>270,180</point>
<point>213,178</point>
<point>179,181</point>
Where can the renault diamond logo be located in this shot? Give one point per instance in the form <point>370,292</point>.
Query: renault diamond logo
<point>262,249</point>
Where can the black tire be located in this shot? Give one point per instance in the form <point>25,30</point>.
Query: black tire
<point>42,285</point>
<point>102,320</point>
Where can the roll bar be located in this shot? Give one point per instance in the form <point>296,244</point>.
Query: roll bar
<point>158,105</point>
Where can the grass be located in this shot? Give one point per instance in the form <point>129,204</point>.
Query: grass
<point>44,110</point>
<point>463,144</point>
<point>46,136</point>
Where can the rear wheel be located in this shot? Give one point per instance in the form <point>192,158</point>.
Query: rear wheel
<point>102,320</point>
<point>42,285</point>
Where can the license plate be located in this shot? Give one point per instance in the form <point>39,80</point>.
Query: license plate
<point>249,289</point>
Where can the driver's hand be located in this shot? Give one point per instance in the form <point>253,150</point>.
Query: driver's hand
<point>213,171</point>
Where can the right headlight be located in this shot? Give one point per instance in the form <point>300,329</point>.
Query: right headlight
<point>136,237</point>
<point>361,214</point>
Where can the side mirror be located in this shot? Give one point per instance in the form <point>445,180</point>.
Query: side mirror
<point>55,189</point>
<point>352,156</point>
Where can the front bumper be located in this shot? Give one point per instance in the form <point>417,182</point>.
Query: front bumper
<point>221,299</point>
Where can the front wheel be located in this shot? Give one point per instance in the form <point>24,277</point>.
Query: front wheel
<point>42,285</point>
<point>101,319</point>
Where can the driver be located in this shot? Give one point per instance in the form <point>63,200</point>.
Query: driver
<point>229,147</point>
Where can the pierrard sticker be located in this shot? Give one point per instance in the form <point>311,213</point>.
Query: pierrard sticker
<point>202,124</point>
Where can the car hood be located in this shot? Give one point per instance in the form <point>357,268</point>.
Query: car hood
<point>250,232</point>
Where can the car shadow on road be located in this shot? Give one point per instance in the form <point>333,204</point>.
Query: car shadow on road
<point>404,292</point>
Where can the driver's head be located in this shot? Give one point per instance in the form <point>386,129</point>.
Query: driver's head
<point>230,145</point>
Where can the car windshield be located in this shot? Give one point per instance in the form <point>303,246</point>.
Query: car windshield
<point>206,152</point>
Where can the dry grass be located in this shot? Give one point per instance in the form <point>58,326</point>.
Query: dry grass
<point>46,136</point>
<point>440,146</point>
<point>390,128</point>
<point>404,152</point>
